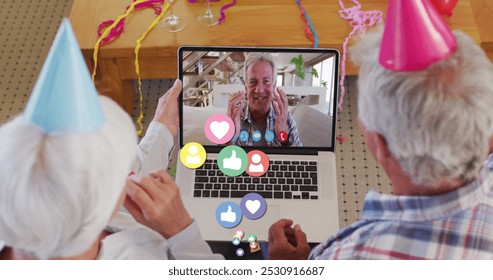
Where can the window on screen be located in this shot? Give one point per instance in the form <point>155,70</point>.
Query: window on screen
<point>226,82</point>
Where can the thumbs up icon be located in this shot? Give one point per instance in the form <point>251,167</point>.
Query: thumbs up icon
<point>228,216</point>
<point>231,217</point>
<point>233,162</point>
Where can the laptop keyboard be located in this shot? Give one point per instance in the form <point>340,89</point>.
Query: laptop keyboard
<point>284,180</point>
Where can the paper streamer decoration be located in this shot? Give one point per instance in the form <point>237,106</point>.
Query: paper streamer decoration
<point>359,21</point>
<point>137,66</point>
<point>107,32</point>
<point>221,11</point>
<point>114,30</point>
<point>195,1</point>
<point>310,32</point>
<point>116,27</point>
<point>117,31</point>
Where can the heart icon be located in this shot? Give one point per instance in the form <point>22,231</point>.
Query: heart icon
<point>219,129</point>
<point>240,233</point>
<point>252,205</point>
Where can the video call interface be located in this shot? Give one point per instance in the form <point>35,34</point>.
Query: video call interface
<point>219,94</point>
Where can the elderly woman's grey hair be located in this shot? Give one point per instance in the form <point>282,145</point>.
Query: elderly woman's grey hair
<point>437,122</point>
<point>58,191</point>
<point>252,58</point>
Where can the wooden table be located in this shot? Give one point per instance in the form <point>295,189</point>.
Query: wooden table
<point>249,23</point>
<point>483,13</point>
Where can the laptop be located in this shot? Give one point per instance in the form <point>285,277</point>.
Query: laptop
<point>300,181</point>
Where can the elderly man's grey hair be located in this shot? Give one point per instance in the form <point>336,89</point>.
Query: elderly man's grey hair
<point>253,57</point>
<point>437,122</point>
<point>58,191</point>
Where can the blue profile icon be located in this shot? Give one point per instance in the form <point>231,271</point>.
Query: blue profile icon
<point>244,136</point>
<point>269,136</point>
<point>256,136</point>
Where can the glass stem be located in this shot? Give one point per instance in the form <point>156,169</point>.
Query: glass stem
<point>208,12</point>
<point>173,17</point>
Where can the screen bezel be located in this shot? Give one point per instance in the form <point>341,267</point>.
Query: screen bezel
<point>272,150</point>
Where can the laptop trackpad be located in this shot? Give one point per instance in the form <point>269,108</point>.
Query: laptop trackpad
<point>261,226</point>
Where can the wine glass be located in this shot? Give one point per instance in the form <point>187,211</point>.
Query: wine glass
<point>208,19</point>
<point>172,23</point>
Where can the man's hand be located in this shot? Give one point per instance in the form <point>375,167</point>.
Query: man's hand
<point>281,109</point>
<point>235,107</point>
<point>167,109</point>
<point>286,242</point>
<point>155,202</point>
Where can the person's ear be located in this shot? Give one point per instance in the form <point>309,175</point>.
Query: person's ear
<point>376,143</point>
<point>382,153</point>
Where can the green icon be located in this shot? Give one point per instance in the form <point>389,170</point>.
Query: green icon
<point>252,238</point>
<point>232,160</point>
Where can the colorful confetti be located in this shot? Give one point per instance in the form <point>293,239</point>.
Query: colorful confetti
<point>340,138</point>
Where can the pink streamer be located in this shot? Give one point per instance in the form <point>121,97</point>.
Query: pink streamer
<point>223,15</point>
<point>118,29</point>
<point>195,1</point>
<point>359,21</point>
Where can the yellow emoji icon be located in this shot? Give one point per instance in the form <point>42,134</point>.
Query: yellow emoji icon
<point>192,155</point>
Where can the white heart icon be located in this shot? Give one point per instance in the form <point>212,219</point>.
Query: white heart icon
<point>252,206</point>
<point>219,129</point>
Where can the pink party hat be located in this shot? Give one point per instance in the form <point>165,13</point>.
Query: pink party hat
<point>64,98</point>
<point>415,36</point>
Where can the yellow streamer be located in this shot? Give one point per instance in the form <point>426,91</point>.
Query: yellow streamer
<point>107,32</point>
<point>137,67</point>
<point>137,48</point>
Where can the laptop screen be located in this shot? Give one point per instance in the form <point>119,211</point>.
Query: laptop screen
<point>275,99</point>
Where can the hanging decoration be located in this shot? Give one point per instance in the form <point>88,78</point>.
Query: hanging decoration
<point>118,29</point>
<point>112,29</point>
<point>310,32</point>
<point>359,21</point>
<point>137,66</point>
<point>221,11</point>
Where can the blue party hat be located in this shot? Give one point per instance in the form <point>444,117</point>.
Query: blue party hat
<point>64,97</point>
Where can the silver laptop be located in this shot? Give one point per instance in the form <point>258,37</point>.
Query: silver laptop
<point>300,182</point>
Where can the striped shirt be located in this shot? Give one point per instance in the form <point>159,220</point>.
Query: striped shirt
<point>454,225</point>
<point>250,126</point>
